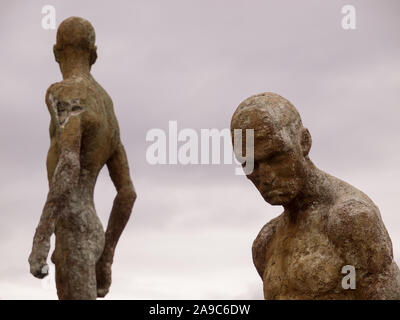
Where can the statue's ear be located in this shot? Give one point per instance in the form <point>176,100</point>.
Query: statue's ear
<point>306,141</point>
<point>93,55</point>
<point>56,53</point>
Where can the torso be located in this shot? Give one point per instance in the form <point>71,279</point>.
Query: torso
<point>78,228</point>
<point>301,262</point>
<point>303,258</point>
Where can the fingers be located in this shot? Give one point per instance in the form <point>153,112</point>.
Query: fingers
<point>39,270</point>
<point>103,277</point>
<point>102,292</point>
<point>103,286</point>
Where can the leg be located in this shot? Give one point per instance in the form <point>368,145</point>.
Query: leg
<point>79,244</point>
<point>75,257</point>
<point>76,275</point>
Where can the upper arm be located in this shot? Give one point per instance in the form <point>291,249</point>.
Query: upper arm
<point>66,130</point>
<point>357,229</point>
<point>118,168</point>
<point>260,245</point>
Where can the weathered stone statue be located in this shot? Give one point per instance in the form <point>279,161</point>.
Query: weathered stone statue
<point>84,136</point>
<point>326,224</point>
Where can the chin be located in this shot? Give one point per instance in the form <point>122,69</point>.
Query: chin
<point>274,203</point>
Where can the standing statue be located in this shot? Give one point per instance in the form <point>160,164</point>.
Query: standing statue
<point>328,228</point>
<point>84,135</point>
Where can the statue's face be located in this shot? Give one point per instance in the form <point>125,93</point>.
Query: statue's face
<point>278,161</point>
<point>277,171</point>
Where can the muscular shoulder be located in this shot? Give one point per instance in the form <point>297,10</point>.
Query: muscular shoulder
<point>260,244</point>
<point>76,88</point>
<point>355,226</point>
<point>266,233</point>
<point>70,98</point>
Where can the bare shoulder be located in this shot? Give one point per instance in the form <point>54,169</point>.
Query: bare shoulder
<point>77,87</point>
<point>260,244</point>
<point>70,98</point>
<point>266,232</point>
<point>355,226</point>
<point>354,217</point>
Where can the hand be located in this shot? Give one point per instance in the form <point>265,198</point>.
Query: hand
<point>38,267</point>
<point>103,276</point>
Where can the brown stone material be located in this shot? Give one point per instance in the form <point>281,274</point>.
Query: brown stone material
<point>326,223</point>
<point>84,136</point>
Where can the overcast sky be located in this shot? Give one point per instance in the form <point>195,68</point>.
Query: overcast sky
<point>192,226</point>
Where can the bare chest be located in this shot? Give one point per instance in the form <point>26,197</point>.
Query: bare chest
<point>301,263</point>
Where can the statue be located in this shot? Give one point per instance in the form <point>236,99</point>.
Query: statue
<point>84,136</point>
<point>327,225</point>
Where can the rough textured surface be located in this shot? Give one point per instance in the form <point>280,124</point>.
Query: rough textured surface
<point>326,223</point>
<point>84,136</point>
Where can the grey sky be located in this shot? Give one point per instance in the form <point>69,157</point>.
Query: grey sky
<point>192,226</point>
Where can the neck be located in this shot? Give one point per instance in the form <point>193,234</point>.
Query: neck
<point>74,63</point>
<point>315,190</point>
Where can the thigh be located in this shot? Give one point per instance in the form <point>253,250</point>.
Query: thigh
<point>75,270</point>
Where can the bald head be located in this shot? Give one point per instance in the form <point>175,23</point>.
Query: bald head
<point>76,34</point>
<point>272,117</point>
<point>267,112</point>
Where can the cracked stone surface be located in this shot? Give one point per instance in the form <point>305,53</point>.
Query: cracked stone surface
<point>84,136</point>
<point>326,223</point>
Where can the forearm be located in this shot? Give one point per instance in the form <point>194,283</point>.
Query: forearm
<point>120,214</point>
<point>64,181</point>
<point>41,239</point>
